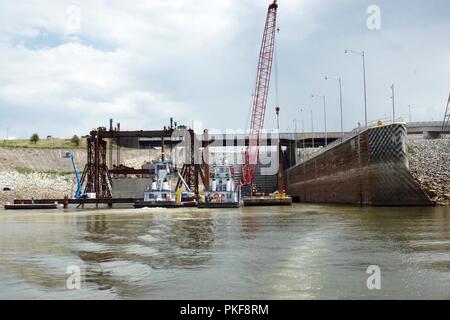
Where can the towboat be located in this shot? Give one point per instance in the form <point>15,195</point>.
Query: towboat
<point>161,193</point>
<point>224,192</point>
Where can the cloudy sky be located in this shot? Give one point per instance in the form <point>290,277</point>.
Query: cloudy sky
<point>68,66</point>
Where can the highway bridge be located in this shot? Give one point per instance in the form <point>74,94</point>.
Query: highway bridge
<point>429,129</point>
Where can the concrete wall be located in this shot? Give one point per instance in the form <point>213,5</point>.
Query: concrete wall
<point>369,169</point>
<point>129,187</point>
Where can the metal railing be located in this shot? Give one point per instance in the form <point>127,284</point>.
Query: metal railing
<point>347,136</point>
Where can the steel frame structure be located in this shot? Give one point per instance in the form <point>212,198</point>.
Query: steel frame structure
<point>96,177</point>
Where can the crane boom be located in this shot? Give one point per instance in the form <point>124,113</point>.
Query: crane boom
<point>69,155</point>
<point>260,94</point>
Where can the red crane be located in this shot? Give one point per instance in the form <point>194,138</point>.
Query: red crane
<point>260,94</point>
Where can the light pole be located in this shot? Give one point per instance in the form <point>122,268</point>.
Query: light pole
<point>362,54</point>
<point>409,111</point>
<point>393,103</point>
<point>340,98</point>
<point>277,111</point>
<point>303,127</point>
<point>295,139</point>
<point>324,115</point>
<point>312,127</point>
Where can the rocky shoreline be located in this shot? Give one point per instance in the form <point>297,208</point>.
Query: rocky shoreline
<point>429,163</point>
<point>44,173</point>
<point>35,185</point>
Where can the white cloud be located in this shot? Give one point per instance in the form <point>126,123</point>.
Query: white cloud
<point>143,62</point>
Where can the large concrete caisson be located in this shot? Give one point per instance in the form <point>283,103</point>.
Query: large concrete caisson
<point>370,168</point>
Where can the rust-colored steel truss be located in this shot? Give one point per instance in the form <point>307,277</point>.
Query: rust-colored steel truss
<point>96,177</point>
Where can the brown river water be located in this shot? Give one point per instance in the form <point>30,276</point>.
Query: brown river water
<point>299,252</point>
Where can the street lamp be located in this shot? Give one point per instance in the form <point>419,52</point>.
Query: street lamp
<point>303,127</point>
<point>324,114</point>
<point>295,140</point>
<point>277,111</point>
<point>312,127</point>
<point>340,97</point>
<point>364,78</point>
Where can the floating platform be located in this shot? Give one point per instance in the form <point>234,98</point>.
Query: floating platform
<point>30,206</point>
<point>218,205</point>
<point>164,204</point>
<point>267,201</point>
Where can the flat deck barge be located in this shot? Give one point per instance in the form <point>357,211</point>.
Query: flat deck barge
<point>30,206</point>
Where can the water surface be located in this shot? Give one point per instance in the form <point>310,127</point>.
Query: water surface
<point>298,252</point>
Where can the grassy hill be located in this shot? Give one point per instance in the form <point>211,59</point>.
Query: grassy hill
<point>52,143</point>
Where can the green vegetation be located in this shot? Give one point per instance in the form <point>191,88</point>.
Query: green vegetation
<point>24,170</point>
<point>410,150</point>
<point>34,138</point>
<point>57,173</point>
<point>51,143</point>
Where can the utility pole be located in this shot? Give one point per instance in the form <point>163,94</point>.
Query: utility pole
<point>409,111</point>
<point>393,104</point>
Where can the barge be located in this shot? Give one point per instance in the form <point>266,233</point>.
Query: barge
<point>31,206</point>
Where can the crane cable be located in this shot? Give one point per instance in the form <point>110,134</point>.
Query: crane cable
<point>275,56</point>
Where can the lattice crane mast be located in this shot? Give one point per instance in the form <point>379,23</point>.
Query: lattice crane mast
<point>260,94</point>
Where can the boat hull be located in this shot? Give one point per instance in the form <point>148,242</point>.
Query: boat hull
<point>219,205</point>
<point>30,206</point>
<point>267,201</point>
<point>163,204</point>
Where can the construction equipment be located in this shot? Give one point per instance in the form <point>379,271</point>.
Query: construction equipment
<point>260,94</point>
<point>69,155</point>
<point>446,116</point>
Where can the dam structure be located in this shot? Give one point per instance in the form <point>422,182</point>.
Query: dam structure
<point>369,167</point>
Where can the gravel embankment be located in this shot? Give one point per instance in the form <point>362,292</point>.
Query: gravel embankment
<point>34,172</point>
<point>35,185</point>
<point>429,162</point>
